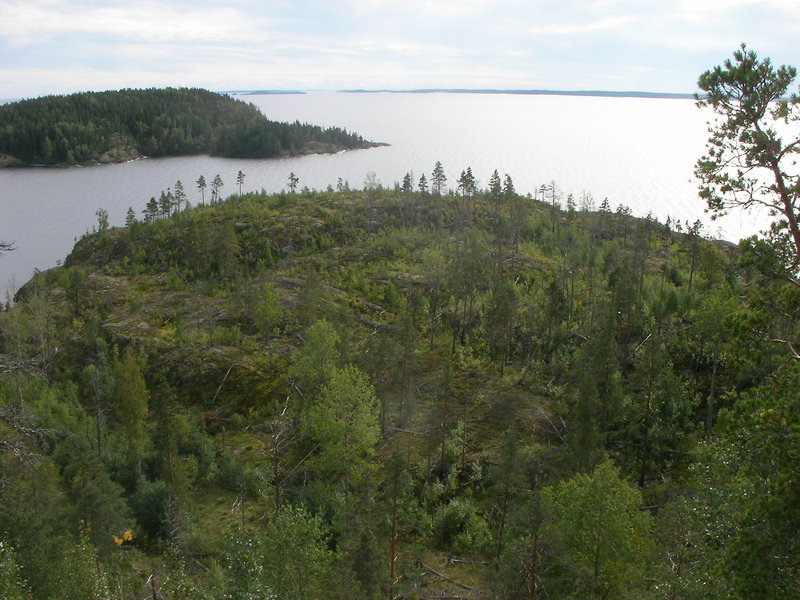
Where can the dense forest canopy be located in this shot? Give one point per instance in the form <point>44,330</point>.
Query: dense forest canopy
<point>405,392</point>
<point>407,389</point>
<point>121,125</point>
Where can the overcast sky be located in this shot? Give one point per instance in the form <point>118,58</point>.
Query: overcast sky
<point>60,46</point>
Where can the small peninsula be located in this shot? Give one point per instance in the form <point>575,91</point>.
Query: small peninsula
<point>117,126</point>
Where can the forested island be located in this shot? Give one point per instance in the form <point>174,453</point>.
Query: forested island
<point>115,126</point>
<point>423,391</point>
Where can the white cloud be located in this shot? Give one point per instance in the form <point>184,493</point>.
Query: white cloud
<point>236,44</point>
<point>30,22</point>
<point>562,29</point>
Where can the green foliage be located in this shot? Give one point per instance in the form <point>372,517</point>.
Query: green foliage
<point>747,160</point>
<point>79,576</point>
<point>151,508</point>
<point>344,422</point>
<point>131,403</point>
<point>120,125</point>
<point>597,536</point>
<point>288,559</point>
<point>595,405</point>
<point>96,498</point>
<point>229,472</point>
<point>697,527</point>
<point>136,393</point>
<point>267,312</point>
<point>458,527</point>
<point>313,364</point>
<point>12,586</point>
<point>761,434</point>
<point>225,249</point>
<point>33,507</point>
<point>176,581</point>
<point>657,414</point>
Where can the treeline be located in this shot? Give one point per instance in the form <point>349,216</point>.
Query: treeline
<point>390,393</point>
<point>120,125</point>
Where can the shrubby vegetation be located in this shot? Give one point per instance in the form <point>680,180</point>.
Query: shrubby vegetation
<point>420,394</point>
<point>121,125</point>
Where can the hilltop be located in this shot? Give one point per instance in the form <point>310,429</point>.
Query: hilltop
<point>116,126</point>
<point>357,393</point>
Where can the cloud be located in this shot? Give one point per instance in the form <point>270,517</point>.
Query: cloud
<point>571,29</point>
<point>570,44</point>
<point>31,22</point>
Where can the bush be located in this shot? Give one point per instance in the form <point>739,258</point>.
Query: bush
<point>458,527</point>
<point>150,505</point>
<point>229,472</point>
<point>289,560</point>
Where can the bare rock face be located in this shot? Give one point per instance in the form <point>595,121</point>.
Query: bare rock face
<point>9,161</point>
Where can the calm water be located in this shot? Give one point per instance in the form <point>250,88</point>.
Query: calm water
<point>636,152</point>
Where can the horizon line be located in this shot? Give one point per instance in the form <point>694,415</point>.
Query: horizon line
<point>529,92</point>
<point>521,92</point>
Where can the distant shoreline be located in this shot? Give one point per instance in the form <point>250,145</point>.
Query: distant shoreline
<point>261,92</point>
<point>600,93</point>
<point>596,93</point>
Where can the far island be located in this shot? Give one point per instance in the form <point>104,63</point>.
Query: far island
<point>117,126</point>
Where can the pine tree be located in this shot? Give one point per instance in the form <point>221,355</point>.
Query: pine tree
<point>165,204</point>
<point>267,312</point>
<point>508,186</point>
<point>201,185</point>
<point>130,217</point>
<point>495,189</point>
<point>466,183</point>
<point>150,213</point>
<point>598,536</point>
<point>226,249</point>
<point>748,163</point>
<point>102,219</point>
<point>130,409</point>
<point>293,181</point>
<point>179,197</point>
<point>313,364</point>
<point>407,185</point>
<point>438,178</point>
<point>344,422</point>
<point>216,185</point>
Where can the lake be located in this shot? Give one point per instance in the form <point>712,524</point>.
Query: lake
<point>638,152</point>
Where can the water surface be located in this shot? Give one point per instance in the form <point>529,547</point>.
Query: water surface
<point>638,152</point>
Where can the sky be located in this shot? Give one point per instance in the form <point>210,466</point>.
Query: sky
<point>64,46</point>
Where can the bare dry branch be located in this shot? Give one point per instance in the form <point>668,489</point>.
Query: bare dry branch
<point>463,586</point>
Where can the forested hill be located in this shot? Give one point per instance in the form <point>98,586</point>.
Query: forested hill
<point>120,125</point>
<point>400,394</point>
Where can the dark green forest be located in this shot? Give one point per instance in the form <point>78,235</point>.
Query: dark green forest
<point>122,125</point>
<point>408,388</point>
<point>416,392</point>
